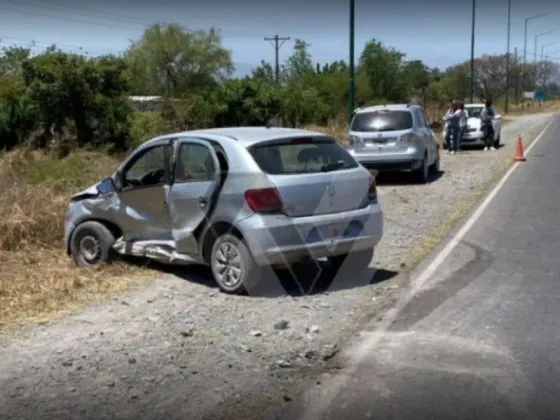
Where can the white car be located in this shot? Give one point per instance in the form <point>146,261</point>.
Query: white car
<point>473,134</point>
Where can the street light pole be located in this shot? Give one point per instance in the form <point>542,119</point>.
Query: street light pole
<point>351,70</point>
<point>525,44</point>
<point>472,49</point>
<point>543,65</point>
<point>535,58</point>
<point>506,104</point>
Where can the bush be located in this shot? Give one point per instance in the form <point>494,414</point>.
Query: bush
<point>146,125</point>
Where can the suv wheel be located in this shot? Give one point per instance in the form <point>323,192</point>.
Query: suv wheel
<point>421,174</point>
<point>434,168</point>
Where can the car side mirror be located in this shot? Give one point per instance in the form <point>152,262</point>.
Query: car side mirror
<point>436,126</point>
<point>106,186</point>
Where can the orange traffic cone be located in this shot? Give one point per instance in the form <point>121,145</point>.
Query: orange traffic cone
<point>519,155</point>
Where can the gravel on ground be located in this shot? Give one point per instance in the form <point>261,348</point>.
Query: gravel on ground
<point>178,348</point>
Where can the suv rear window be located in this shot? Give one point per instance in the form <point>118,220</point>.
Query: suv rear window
<point>302,156</point>
<point>382,120</point>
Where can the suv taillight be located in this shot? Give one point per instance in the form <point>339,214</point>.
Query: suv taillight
<point>264,200</point>
<point>352,140</point>
<point>409,138</point>
<point>372,191</point>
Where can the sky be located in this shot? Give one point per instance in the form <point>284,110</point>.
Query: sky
<point>435,31</point>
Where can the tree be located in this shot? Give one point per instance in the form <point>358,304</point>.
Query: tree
<point>384,69</point>
<point>299,64</point>
<point>169,60</point>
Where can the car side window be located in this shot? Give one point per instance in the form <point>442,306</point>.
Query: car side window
<point>420,118</point>
<point>194,163</point>
<point>425,117</point>
<point>148,169</point>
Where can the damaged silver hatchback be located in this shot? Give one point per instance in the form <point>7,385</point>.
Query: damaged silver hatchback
<point>242,200</point>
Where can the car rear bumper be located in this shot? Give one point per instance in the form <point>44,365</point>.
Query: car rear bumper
<point>411,159</point>
<point>278,239</point>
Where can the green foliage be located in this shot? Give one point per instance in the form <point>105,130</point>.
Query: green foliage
<point>57,98</point>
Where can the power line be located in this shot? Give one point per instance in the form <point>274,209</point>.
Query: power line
<point>36,44</point>
<point>135,24</point>
<point>87,12</point>
<point>277,43</point>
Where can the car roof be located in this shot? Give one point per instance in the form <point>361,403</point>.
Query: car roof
<point>245,135</point>
<point>474,105</point>
<point>395,107</point>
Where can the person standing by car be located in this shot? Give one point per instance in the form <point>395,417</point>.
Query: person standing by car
<point>463,116</point>
<point>452,121</point>
<point>447,139</point>
<point>487,117</point>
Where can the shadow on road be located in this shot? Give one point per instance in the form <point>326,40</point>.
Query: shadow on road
<point>310,278</point>
<point>395,178</point>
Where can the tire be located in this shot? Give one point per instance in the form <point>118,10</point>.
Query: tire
<point>250,273</point>
<point>421,174</point>
<point>434,168</point>
<point>91,245</point>
<point>352,263</point>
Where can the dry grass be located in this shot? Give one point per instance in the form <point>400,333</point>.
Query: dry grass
<point>533,108</point>
<point>37,279</point>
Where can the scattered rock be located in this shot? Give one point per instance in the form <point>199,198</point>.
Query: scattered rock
<point>67,363</point>
<point>287,398</point>
<point>310,354</point>
<point>329,351</point>
<point>281,325</point>
<point>131,360</point>
<point>281,363</point>
<point>244,348</point>
<point>314,329</point>
<point>187,332</point>
<point>256,333</point>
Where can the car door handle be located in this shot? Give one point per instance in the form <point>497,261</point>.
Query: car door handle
<point>202,202</point>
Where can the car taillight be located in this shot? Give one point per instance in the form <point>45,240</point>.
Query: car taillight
<point>409,138</point>
<point>372,191</point>
<point>352,140</point>
<point>264,200</point>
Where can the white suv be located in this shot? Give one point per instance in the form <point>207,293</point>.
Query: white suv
<point>395,137</point>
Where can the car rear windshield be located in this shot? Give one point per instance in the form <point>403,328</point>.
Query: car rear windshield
<point>474,112</point>
<point>382,120</point>
<point>302,156</point>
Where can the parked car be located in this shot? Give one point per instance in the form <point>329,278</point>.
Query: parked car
<point>473,134</point>
<point>238,199</point>
<point>395,137</point>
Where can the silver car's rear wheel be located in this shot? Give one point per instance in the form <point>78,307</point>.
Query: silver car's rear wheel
<point>232,265</point>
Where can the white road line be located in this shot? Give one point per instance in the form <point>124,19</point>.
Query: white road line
<point>361,352</point>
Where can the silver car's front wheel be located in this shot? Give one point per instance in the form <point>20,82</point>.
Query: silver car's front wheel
<point>232,265</point>
<point>91,244</point>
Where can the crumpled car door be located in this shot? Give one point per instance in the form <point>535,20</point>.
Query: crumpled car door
<point>193,190</point>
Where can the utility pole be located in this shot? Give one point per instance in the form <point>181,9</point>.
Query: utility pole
<point>351,81</point>
<point>277,43</point>
<point>516,66</point>
<point>472,49</point>
<point>506,105</point>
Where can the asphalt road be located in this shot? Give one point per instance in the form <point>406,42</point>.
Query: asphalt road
<point>481,340</point>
